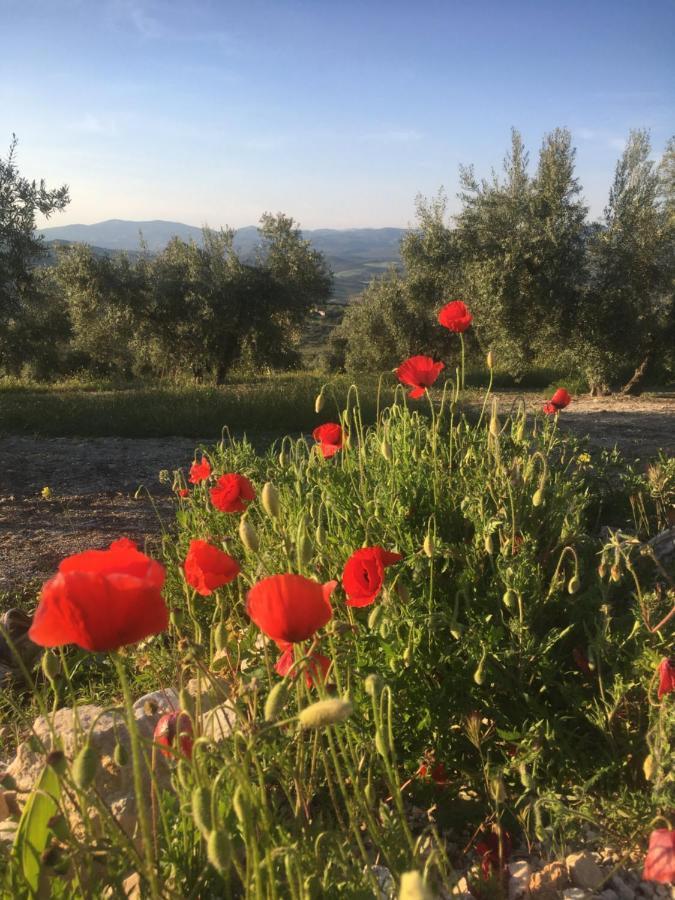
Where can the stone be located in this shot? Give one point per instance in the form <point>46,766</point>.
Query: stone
<point>519,882</point>
<point>645,889</point>
<point>546,884</point>
<point>8,831</point>
<point>385,882</point>
<point>219,723</point>
<point>66,732</point>
<point>9,808</point>
<point>584,870</point>
<point>576,893</point>
<point>132,887</point>
<point>164,701</point>
<point>608,894</point>
<point>207,692</point>
<point>622,889</point>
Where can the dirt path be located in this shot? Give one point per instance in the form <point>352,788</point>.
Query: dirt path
<point>94,481</point>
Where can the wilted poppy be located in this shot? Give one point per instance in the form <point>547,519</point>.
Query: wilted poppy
<point>660,859</point>
<point>363,574</point>
<point>232,493</point>
<point>290,608</point>
<point>174,731</point>
<point>666,677</point>
<point>419,372</point>
<point>183,492</point>
<point>207,567</point>
<point>102,600</point>
<point>330,438</point>
<point>455,316</point>
<point>558,401</point>
<point>199,471</point>
<point>316,668</point>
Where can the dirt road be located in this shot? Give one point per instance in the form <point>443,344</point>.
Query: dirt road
<point>95,481</point>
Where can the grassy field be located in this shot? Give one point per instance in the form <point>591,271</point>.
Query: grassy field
<point>277,403</point>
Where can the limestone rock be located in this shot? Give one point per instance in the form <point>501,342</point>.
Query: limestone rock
<point>546,884</point>
<point>519,881</point>
<point>584,870</point>
<point>219,722</point>
<point>163,701</point>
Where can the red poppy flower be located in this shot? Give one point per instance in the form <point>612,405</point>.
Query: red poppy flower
<point>495,850</point>
<point>102,600</point>
<point>436,771</point>
<point>419,372</point>
<point>363,574</point>
<point>455,316</point>
<point>207,567</point>
<point>660,859</point>
<point>558,401</point>
<point>315,671</point>
<point>183,492</point>
<point>199,471</point>
<point>581,661</point>
<point>666,677</point>
<point>330,437</point>
<point>290,608</point>
<point>232,493</point>
<point>174,731</point>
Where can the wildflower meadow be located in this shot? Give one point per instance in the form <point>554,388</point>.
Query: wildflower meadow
<point>402,659</point>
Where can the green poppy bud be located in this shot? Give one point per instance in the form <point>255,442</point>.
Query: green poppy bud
<point>376,616</point>
<point>498,789</point>
<point>373,685</point>
<point>201,810</point>
<point>381,744</point>
<point>574,585</point>
<point>270,500</point>
<point>305,550</point>
<point>490,360</point>
<point>220,636</point>
<point>320,402</point>
<point>538,497</point>
<point>218,851</point>
<point>325,712</point>
<point>370,794</point>
<point>385,450</point>
<point>248,535</point>
<point>510,599</point>
<point>428,545</point>
<point>649,768</point>
<point>276,700</point>
<point>494,426</point>
<point>51,665</point>
<point>479,674</point>
<point>320,534</point>
<point>526,779</point>
<point>85,767</point>
<point>240,806</point>
<point>489,544</point>
<point>120,755</point>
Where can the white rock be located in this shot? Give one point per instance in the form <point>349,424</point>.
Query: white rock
<point>385,882</point>
<point>164,701</point>
<point>519,881</point>
<point>576,893</point>
<point>219,723</point>
<point>584,870</point>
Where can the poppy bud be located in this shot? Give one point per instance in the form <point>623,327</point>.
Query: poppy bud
<point>370,794</point>
<point>489,544</point>
<point>526,779</point>
<point>381,744</point>
<point>276,700</point>
<point>574,585</point>
<point>385,450</point>
<point>494,426</point>
<point>320,534</point>
<point>177,619</point>
<point>304,548</point>
<point>538,497</point>
<point>649,768</point>
<point>325,712</point>
<point>201,810</point>
<point>248,535</point>
<point>120,755</point>
<point>384,630</point>
<point>240,806</point>
<point>375,617</point>
<point>218,851</point>
<point>479,674</point>
<point>407,655</point>
<point>373,685</point>
<point>320,402</point>
<point>428,545</point>
<point>510,599</point>
<point>85,767</point>
<point>497,789</point>
<point>283,459</point>
<point>57,760</point>
<point>490,360</point>
<point>413,887</point>
<point>270,500</point>
<point>520,430</point>
<point>602,570</point>
<point>220,636</point>
<point>615,573</point>
<point>51,665</point>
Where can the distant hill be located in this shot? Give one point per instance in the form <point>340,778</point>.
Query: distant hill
<point>354,254</point>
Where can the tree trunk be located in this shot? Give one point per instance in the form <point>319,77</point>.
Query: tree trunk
<point>633,386</point>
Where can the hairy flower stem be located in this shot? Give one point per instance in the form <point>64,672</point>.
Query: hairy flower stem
<point>137,763</point>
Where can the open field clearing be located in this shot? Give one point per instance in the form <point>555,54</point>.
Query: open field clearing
<point>95,481</point>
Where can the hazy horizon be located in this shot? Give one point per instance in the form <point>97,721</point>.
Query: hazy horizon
<point>336,115</point>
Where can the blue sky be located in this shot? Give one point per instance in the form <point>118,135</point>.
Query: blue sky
<point>337,112</point>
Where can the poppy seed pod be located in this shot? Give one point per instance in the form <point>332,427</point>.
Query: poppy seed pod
<point>276,700</point>
<point>85,767</point>
<point>218,851</point>
<point>325,712</point>
<point>201,810</point>
<point>248,535</point>
<point>413,887</point>
<point>270,500</point>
